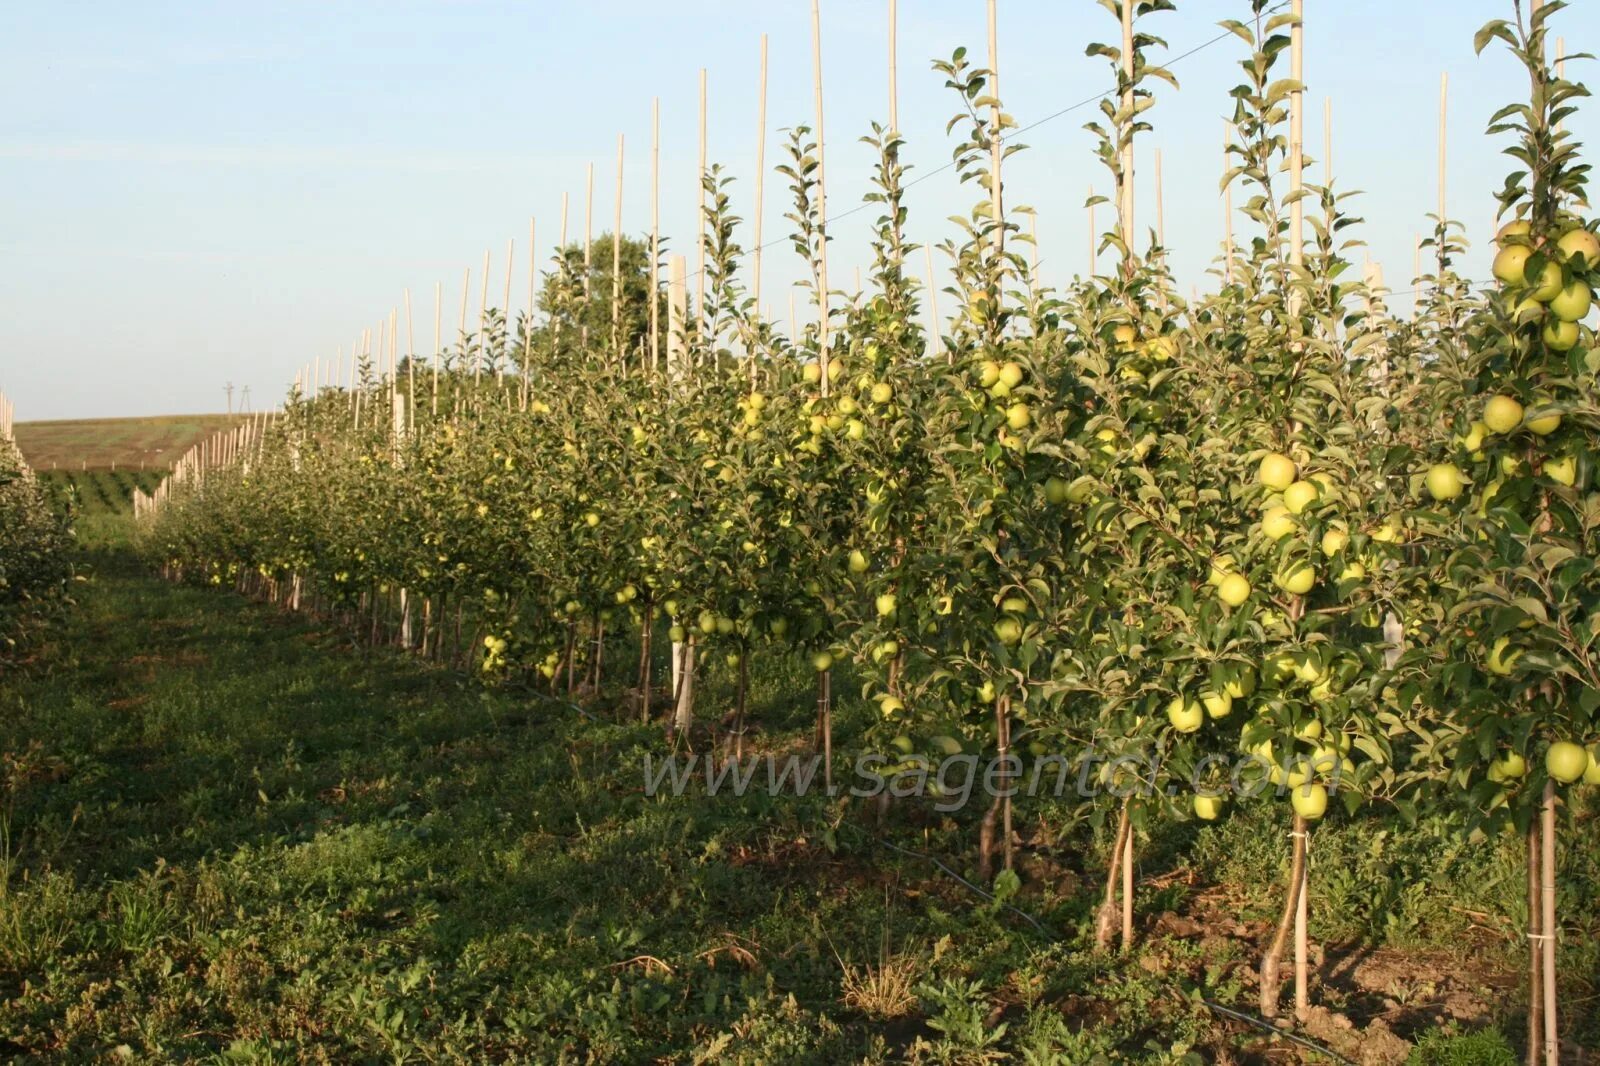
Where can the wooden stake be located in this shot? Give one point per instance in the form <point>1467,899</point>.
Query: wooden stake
<point>1302,1000</point>
<point>700,212</point>
<point>505,307</point>
<point>1125,193</point>
<point>933,305</point>
<point>527,322</point>
<point>655,235</point>
<point>483,320</point>
<point>588,254</point>
<point>411,362</point>
<point>616,263</point>
<point>761,181</point>
<point>995,150</point>
<point>1227,204</point>
<point>822,199</point>
<point>894,93</point>
<point>1444,100</point>
<point>1535,947</point>
<point>1547,899</point>
<point>438,316</point>
<point>1297,136</point>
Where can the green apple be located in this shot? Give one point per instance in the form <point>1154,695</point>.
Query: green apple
<point>858,562</point>
<point>1502,414</point>
<point>1310,801</point>
<point>1241,682</point>
<point>1560,336</point>
<point>1014,604</point>
<point>1566,761</point>
<point>1217,702</point>
<point>1081,490</point>
<point>778,626</point>
<point>1055,491</point>
<point>886,604</point>
<point>1221,566</point>
<point>1572,303</point>
<point>1563,471</point>
<point>1018,416</point>
<point>1503,658</point>
<point>1333,540</point>
<point>1518,228</point>
<point>1353,571</point>
<point>890,705</point>
<point>1444,481</point>
<point>822,662</point>
<point>1008,630</point>
<point>811,373</point>
<point>1011,374</point>
<point>1591,773</point>
<point>988,373</point>
<point>1549,283</point>
<point>591,519</point>
<point>1278,523</point>
<point>1580,242</point>
<point>1508,767</point>
<point>1299,495</point>
<point>1511,262</point>
<point>1185,714</point>
<point>882,392</point>
<point>1233,590</point>
<point>1543,425</point>
<point>677,634</point>
<point>1473,441</point>
<point>1208,808</point>
<point>986,692</point>
<point>1296,578</point>
<point>1277,472</point>
<point>724,625</point>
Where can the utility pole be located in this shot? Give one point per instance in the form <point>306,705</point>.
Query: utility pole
<point>244,401</point>
<point>228,388</point>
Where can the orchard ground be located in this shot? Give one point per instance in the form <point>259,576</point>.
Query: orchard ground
<point>233,835</point>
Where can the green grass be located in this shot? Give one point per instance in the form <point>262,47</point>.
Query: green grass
<point>232,836</point>
<point>134,444</point>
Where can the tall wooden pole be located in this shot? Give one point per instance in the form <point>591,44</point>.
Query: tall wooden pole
<point>1297,258</point>
<point>1297,135</point>
<point>616,264</point>
<point>411,363</point>
<point>894,73</point>
<point>700,210</point>
<point>588,253</point>
<point>1125,193</point>
<point>822,199</point>
<point>655,235</point>
<point>527,322</point>
<point>761,181</point>
<point>483,320</point>
<point>1227,204</point>
<point>995,150</point>
<point>505,308</point>
<point>933,304</point>
<point>438,322</point>
<point>1547,901</point>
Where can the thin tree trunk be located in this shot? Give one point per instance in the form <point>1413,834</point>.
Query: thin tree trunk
<point>1273,959</point>
<point>1108,908</point>
<point>1547,895</point>
<point>683,714</point>
<point>1127,888</point>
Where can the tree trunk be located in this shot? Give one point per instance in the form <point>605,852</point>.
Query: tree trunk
<point>1106,920</point>
<point>683,714</point>
<point>645,638</point>
<point>1273,959</point>
<point>1547,896</point>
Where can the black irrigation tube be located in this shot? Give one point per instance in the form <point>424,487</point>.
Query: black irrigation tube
<point>1228,1012</point>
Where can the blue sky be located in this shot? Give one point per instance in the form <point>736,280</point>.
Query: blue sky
<point>203,192</point>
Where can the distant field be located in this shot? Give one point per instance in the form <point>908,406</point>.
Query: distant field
<point>120,443</point>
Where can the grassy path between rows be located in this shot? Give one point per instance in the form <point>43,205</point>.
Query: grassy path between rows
<point>232,836</point>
